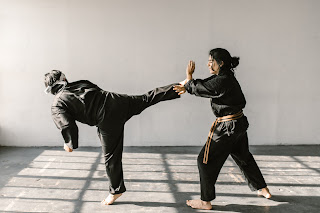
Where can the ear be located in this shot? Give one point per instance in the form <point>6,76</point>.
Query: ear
<point>222,63</point>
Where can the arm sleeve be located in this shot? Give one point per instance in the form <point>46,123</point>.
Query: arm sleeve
<point>67,125</point>
<point>209,88</point>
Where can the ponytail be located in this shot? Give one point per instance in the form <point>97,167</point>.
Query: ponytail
<point>234,62</point>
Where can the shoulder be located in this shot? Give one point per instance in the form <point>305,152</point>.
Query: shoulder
<point>59,103</point>
<point>209,79</point>
<point>226,78</point>
<point>221,82</point>
<point>80,82</point>
<point>216,79</point>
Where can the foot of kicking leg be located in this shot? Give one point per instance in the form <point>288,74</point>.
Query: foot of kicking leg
<point>199,204</point>
<point>110,199</point>
<point>264,192</point>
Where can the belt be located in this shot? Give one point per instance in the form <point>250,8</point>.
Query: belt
<point>213,127</point>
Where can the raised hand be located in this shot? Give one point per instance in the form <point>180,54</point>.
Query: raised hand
<point>190,69</point>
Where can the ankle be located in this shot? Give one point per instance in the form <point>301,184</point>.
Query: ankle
<point>115,195</point>
<point>265,189</point>
<point>264,192</point>
<point>206,202</point>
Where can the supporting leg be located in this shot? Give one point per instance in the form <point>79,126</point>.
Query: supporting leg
<point>112,147</point>
<point>209,172</point>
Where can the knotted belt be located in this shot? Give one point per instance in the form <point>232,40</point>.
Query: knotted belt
<point>213,127</point>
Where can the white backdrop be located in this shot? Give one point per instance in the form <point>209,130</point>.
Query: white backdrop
<point>131,46</point>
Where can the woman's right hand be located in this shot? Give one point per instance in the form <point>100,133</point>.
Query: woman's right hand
<point>180,89</point>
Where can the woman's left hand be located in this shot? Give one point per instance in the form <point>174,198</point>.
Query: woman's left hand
<point>180,89</point>
<point>190,68</point>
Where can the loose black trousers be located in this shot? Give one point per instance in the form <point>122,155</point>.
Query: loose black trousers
<point>229,138</point>
<point>118,110</point>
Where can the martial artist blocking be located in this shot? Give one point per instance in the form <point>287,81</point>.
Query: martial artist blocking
<point>228,134</point>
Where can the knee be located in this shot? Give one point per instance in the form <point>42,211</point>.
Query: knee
<point>243,159</point>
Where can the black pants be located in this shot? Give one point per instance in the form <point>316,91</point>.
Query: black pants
<point>229,138</point>
<point>118,110</point>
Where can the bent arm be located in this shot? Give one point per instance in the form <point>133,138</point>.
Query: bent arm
<point>209,88</point>
<point>67,125</point>
<point>71,136</point>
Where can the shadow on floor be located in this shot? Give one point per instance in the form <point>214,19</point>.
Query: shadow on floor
<point>159,179</point>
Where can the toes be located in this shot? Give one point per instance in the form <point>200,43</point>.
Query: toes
<point>104,202</point>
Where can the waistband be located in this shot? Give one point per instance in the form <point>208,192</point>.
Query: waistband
<point>230,117</point>
<point>213,127</point>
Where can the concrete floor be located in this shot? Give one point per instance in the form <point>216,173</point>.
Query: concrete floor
<point>158,179</point>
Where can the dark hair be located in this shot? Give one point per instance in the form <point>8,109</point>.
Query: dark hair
<point>50,78</point>
<point>229,63</point>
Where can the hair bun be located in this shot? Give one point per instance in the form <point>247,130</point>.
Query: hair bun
<point>234,62</point>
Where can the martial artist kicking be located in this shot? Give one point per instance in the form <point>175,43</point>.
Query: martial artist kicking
<point>85,102</point>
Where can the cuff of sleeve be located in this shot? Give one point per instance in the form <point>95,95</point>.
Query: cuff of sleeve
<point>188,86</point>
<point>70,137</point>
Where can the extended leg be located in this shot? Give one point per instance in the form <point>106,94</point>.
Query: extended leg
<point>139,103</point>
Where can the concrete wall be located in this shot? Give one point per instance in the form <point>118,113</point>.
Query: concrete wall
<point>131,46</point>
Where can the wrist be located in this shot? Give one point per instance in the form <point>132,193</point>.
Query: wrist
<point>189,77</point>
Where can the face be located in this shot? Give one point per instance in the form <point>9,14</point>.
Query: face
<point>63,77</point>
<point>213,66</point>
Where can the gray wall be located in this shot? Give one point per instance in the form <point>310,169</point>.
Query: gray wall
<point>131,46</point>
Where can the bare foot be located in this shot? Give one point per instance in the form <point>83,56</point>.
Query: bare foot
<point>264,192</point>
<point>110,199</point>
<point>199,204</point>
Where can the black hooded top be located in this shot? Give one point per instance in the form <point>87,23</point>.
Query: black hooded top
<point>82,101</point>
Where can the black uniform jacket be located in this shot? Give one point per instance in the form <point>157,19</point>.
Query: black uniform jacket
<point>224,91</point>
<point>82,101</point>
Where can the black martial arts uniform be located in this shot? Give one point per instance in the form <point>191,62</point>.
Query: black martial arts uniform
<point>85,102</point>
<point>229,137</point>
